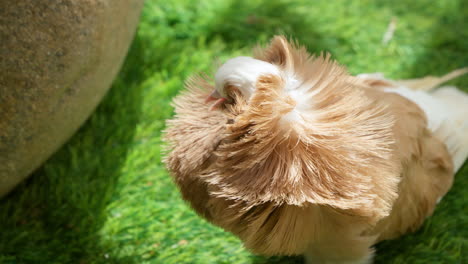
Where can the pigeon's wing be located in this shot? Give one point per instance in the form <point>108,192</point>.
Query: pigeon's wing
<point>445,108</point>
<point>427,166</point>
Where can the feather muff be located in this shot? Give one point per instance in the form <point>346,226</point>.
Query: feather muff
<point>312,152</point>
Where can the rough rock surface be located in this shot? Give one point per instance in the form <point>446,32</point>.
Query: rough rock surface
<point>57,60</point>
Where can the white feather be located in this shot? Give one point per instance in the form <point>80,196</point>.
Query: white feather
<point>242,72</point>
<point>447,112</point>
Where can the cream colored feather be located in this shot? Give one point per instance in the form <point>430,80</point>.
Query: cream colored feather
<point>305,159</point>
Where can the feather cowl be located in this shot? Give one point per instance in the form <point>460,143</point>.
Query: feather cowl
<point>312,163</point>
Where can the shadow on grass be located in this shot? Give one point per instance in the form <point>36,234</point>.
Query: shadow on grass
<point>246,23</point>
<point>277,260</point>
<point>55,216</point>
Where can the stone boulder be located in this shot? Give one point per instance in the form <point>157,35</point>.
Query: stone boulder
<point>57,60</point>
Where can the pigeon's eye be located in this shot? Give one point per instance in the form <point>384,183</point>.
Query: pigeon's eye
<point>231,92</point>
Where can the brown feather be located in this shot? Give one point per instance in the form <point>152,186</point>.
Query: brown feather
<point>359,166</point>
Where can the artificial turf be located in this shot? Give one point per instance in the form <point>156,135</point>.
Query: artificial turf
<point>105,196</point>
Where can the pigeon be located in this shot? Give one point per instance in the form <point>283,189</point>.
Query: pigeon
<point>295,156</point>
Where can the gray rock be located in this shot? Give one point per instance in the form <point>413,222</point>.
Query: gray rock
<point>57,60</point>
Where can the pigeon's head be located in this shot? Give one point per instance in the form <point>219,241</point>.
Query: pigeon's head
<point>240,75</point>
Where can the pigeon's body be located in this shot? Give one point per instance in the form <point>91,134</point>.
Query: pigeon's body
<point>305,159</point>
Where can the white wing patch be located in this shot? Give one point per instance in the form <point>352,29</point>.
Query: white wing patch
<point>447,112</point>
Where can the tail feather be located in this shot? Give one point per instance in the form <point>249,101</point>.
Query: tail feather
<point>429,83</point>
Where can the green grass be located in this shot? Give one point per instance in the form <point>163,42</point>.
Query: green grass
<point>105,197</point>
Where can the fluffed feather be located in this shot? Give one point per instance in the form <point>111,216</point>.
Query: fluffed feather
<point>325,166</point>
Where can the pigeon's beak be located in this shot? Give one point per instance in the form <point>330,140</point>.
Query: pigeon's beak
<point>215,96</point>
